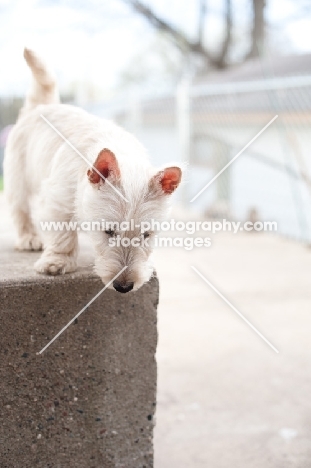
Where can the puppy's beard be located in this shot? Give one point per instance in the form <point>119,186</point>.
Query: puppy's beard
<point>138,273</point>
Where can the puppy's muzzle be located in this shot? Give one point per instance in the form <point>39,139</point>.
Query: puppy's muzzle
<point>123,287</point>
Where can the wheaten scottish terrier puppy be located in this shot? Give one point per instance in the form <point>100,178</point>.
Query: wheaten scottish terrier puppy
<point>117,184</point>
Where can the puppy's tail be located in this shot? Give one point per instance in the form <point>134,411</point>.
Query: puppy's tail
<point>44,87</point>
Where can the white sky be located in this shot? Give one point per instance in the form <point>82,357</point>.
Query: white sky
<point>93,44</point>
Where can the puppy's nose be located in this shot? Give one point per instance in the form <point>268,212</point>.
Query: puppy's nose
<point>123,287</point>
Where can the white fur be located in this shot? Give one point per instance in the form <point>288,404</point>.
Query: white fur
<point>39,163</point>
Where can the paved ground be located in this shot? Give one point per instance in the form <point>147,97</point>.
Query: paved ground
<point>225,399</point>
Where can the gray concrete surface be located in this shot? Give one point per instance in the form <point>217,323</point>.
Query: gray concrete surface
<point>89,399</point>
<point>225,399</point>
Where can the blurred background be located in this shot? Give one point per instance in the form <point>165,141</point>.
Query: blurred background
<point>195,81</point>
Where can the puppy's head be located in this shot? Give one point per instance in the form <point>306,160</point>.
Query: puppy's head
<point>123,202</point>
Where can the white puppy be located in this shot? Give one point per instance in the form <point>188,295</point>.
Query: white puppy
<point>119,184</point>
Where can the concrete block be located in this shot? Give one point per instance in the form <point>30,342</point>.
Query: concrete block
<point>89,400</point>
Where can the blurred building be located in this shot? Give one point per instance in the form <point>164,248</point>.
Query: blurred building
<point>207,122</point>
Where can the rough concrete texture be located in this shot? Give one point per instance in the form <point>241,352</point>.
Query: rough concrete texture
<point>225,399</point>
<point>89,399</point>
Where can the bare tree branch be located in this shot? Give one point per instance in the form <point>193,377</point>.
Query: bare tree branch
<point>228,37</point>
<point>202,16</point>
<point>184,43</point>
<point>258,28</point>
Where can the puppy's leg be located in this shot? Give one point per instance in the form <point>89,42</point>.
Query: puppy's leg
<point>60,249</point>
<point>18,199</point>
<point>28,238</point>
<point>60,254</point>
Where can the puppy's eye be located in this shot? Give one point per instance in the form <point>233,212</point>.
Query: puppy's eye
<point>110,232</point>
<point>146,234</point>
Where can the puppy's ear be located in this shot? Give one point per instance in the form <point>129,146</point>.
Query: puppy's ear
<point>167,180</point>
<point>106,165</point>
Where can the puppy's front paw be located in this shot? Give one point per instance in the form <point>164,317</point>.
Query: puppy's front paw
<point>29,242</point>
<point>56,264</point>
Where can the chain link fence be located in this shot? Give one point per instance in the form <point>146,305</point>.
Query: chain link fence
<point>205,126</point>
